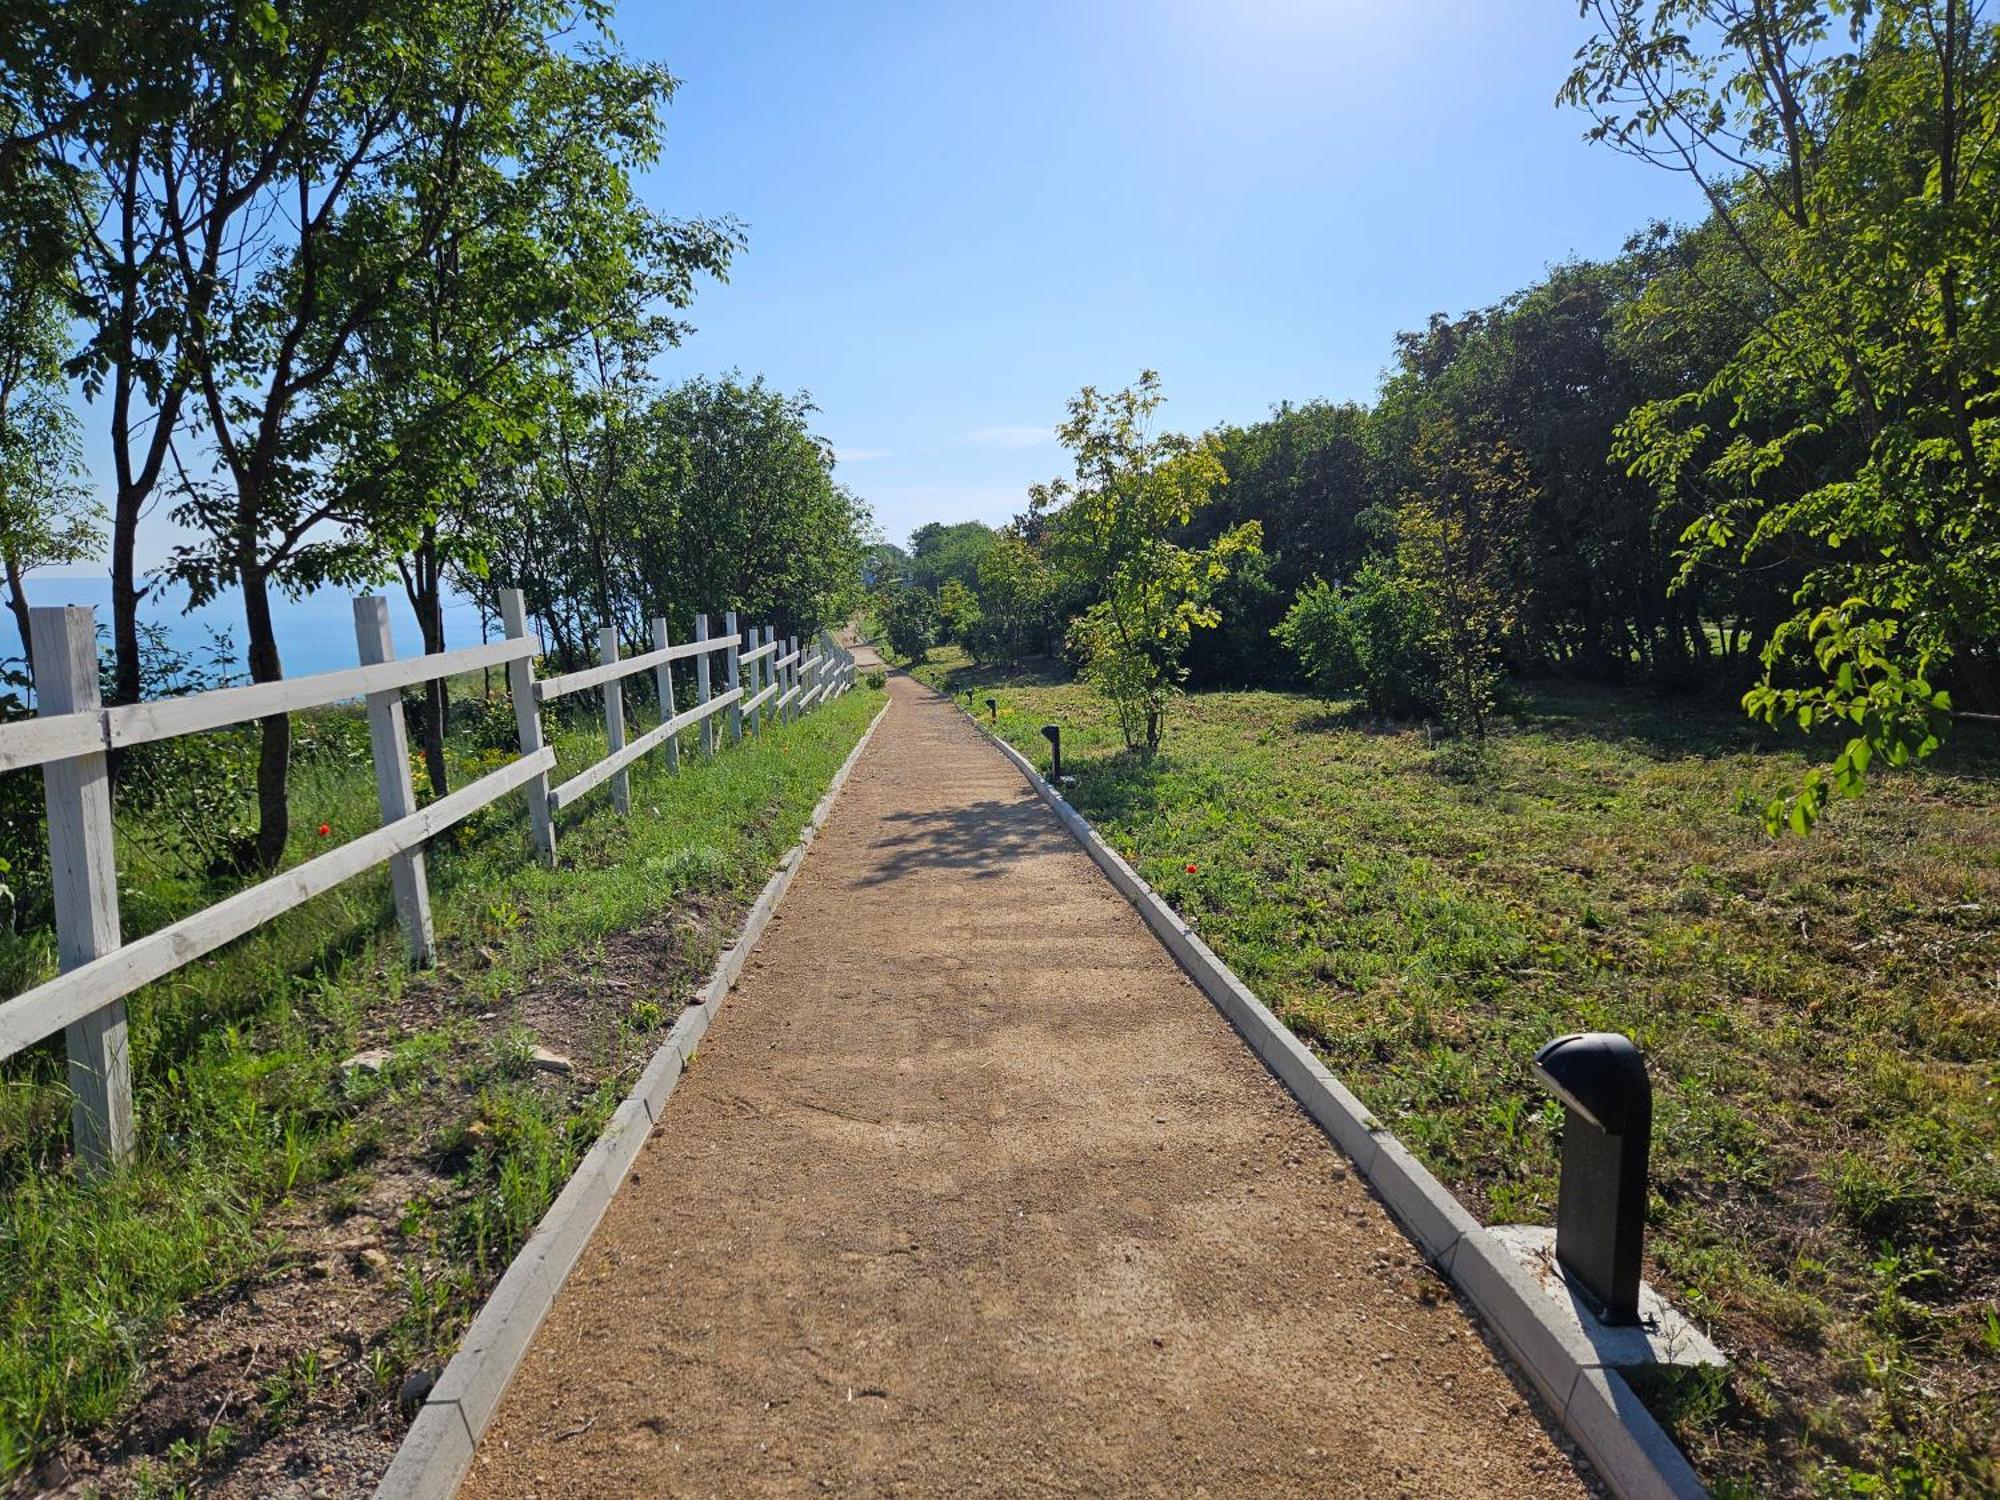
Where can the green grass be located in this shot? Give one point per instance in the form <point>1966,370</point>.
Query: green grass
<point>242,1107</point>
<point>1821,1016</point>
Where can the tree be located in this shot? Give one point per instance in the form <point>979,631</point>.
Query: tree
<point>1016,599</point>
<point>1111,529</point>
<point>300,169</point>
<point>910,620</point>
<point>1846,152</point>
<point>756,520</point>
<point>958,612</point>
<point>547,257</point>
<point>883,563</point>
<point>47,515</point>
<point>939,553</point>
<point>706,496</point>
<point>1307,475</point>
<point>1451,532</point>
<point>93,90</point>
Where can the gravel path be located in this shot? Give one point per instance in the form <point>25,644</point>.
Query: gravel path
<point>971,1192</point>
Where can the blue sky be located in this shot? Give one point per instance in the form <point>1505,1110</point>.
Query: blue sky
<point>958,214</point>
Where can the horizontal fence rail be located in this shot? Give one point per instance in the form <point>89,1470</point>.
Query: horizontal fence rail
<point>48,737</point>
<point>73,737</point>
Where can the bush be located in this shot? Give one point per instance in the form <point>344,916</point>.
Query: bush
<point>910,620</point>
<point>958,613</point>
<point>878,680</point>
<point>1372,637</point>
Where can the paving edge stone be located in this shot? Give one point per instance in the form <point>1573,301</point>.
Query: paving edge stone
<point>437,1451</point>
<point>1592,1402</point>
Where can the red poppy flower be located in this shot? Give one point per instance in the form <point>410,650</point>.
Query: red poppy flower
<point>326,828</point>
<point>1191,867</point>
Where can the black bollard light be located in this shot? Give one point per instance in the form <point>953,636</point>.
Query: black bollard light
<point>993,710</point>
<point>1607,1135</point>
<point>1053,734</point>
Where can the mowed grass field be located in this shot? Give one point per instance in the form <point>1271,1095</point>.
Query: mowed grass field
<point>1821,1015</point>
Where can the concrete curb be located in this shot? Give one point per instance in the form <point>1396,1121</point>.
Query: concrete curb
<point>438,1449</point>
<point>1592,1402</point>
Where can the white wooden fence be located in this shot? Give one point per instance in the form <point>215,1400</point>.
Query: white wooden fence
<point>70,738</point>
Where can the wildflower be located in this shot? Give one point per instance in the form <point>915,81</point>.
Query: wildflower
<point>1191,867</point>
<point>326,828</point>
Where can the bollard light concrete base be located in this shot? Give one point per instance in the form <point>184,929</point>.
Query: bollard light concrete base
<point>1660,1337</point>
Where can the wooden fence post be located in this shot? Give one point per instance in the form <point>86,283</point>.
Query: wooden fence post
<point>528,721</point>
<point>614,721</point>
<point>83,870</point>
<point>391,749</point>
<point>701,689</point>
<point>756,682</point>
<point>663,675</point>
<point>732,678</point>
<point>792,650</point>
<point>770,709</point>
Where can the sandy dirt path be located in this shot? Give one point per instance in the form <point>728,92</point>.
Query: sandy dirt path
<point>971,1192</point>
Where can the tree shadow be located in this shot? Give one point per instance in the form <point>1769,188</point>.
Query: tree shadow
<point>980,838</point>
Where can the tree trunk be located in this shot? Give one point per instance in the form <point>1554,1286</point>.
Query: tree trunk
<point>1980,681</point>
<point>274,752</point>
<point>17,601</point>
<point>423,581</point>
<point>125,596</point>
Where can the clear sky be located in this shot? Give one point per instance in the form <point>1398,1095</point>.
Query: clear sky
<point>958,213</point>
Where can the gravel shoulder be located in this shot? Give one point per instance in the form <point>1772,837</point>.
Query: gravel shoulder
<point>971,1192</point>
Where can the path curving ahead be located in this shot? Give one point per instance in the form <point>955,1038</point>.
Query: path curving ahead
<point>971,1192</point>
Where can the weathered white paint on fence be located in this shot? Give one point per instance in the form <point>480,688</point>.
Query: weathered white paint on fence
<point>58,735</point>
<point>595,775</point>
<point>701,692</point>
<point>528,725</point>
<point>165,718</point>
<point>27,1018</point>
<point>392,780</point>
<point>730,666</point>
<point>663,682</point>
<point>746,658</point>
<point>83,868</point>
<point>73,735</point>
<point>614,721</point>
<point>771,673</point>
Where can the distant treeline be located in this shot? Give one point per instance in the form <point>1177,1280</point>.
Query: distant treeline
<point>1763,449</point>
<point>1591,556</point>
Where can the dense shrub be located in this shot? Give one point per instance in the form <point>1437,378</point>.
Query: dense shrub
<point>1372,637</point>
<point>910,620</point>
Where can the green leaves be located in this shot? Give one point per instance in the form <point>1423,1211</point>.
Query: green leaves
<point>1840,437</point>
<point>1111,536</point>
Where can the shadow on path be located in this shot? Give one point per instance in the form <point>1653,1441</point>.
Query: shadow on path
<point>980,838</point>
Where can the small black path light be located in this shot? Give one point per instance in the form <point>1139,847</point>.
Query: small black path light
<point>1053,734</point>
<point>993,710</point>
<point>1607,1134</point>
